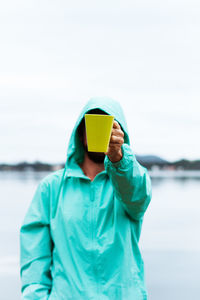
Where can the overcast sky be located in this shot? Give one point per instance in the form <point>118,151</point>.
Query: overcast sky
<point>55,55</point>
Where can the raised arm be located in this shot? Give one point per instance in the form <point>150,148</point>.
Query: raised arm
<point>36,248</point>
<point>131,181</point>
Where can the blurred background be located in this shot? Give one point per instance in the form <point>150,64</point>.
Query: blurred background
<point>55,56</point>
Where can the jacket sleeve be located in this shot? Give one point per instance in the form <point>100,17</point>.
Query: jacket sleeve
<point>36,248</point>
<point>131,183</point>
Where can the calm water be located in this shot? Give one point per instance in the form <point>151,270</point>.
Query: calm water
<point>170,241</point>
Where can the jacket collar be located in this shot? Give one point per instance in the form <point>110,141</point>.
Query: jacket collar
<point>74,170</point>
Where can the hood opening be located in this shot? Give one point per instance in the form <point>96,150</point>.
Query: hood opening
<point>81,126</point>
<point>79,147</point>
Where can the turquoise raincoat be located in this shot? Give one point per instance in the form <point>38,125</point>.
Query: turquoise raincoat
<point>79,238</point>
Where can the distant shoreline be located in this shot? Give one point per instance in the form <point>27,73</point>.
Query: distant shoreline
<point>154,174</point>
<point>151,162</point>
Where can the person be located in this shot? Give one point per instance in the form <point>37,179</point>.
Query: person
<point>79,237</point>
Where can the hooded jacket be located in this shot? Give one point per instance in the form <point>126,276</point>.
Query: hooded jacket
<point>79,238</point>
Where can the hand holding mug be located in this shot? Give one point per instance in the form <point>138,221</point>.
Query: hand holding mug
<point>114,152</point>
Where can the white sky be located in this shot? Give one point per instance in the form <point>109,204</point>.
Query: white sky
<point>55,55</point>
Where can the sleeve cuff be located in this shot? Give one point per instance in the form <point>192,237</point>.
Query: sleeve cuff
<point>123,164</point>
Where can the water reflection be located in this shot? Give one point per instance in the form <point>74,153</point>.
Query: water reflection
<point>157,181</point>
<point>22,176</point>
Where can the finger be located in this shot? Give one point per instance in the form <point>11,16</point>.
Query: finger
<point>116,125</point>
<point>116,140</point>
<point>117,132</point>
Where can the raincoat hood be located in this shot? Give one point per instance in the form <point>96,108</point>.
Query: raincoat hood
<point>111,107</point>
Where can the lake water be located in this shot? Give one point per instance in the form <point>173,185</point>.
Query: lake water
<point>170,242</point>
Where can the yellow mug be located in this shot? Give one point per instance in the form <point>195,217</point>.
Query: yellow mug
<point>98,131</point>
